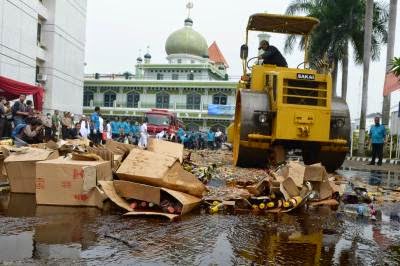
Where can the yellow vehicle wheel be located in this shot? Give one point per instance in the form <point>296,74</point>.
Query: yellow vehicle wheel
<point>248,103</point>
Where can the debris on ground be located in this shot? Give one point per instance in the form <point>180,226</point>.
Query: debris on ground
<point>283,189</point>
<point>144,200</point>
<point>166,181</point>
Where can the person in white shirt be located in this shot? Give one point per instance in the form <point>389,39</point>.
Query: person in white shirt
<point>85,129</point>
<point>109,131</point>
<point>143,135</point>
<point>218,138</point>
<point>161,135</point>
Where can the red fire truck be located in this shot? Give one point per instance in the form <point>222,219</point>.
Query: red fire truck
<point>160,119</point>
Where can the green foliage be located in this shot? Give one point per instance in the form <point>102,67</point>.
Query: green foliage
<point>341,22</point>
<point>396,66</point>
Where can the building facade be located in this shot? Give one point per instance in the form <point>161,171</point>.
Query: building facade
<point>193,83</point>
<point>43,43</point>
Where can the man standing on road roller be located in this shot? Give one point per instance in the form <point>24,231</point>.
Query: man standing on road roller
<point>271,55</point>
<point>377,134</point>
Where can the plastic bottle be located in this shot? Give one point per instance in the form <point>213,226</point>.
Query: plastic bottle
<point>171,209</point>
<point>293,202</point>
<point>276,204</point>
<point>133,205</point>
<point>216,208</point>
<point>362,210</point>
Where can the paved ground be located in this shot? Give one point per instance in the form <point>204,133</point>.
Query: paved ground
<point>355,165</point>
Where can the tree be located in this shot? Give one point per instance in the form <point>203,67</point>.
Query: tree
<point>395,66</point>
<point>369,10</point>
<point>389,57</point>
<point>341,24</point>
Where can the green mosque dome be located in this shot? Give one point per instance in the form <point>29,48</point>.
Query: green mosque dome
<point>187,41</point>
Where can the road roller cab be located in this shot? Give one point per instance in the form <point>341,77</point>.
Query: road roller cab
<point>279,108</point>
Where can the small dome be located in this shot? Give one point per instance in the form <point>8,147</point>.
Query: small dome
<point>139,59</point>
<point>187,41</point>
<point>188,22</point>
<point>147,56</point>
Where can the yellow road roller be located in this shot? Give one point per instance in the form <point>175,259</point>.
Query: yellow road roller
<point>280,108</point>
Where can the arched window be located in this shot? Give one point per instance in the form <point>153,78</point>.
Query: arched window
<point>87,97</point>
<point>162,100</point>
<point>132,100</point>
<point>109,98</point>
<point>193,101</point>
<point>220,98</point>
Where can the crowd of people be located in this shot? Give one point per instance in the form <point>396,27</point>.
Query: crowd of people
<point>28,126</point>
<point>199,140</point>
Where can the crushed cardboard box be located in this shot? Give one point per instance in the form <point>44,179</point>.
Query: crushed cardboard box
<point>290,188</point>
<point>119,148</point>
<point>160,170</point>
<point>21,168</point>
<point>4,153</point>
<point>118,191</point>
<point>315,172</point>
<point>296,172</point>
<point>167,148</point>
<point>71,183</point>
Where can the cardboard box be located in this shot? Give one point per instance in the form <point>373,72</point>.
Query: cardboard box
<point>4,153</point>
<point>78,142</point>
<point>119,148</point>
<point>324,189</point>
<point>21,168</point>
<point>167,148</point>
<point>296,172</point>
<point>159,170</point>
<point>290,189</point>
<point>259,188</point>
<point>315,172</point>
<point>118,190</point>
<point>71,183</point>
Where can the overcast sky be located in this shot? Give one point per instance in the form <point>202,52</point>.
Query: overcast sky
<point>118,29</point>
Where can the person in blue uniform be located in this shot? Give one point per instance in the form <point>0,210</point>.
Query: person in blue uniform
<point>377,133</point>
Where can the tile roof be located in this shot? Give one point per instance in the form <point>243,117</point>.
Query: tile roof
<point>215,54</point>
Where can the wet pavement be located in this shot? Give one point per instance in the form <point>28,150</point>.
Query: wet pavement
<point>33,234</point>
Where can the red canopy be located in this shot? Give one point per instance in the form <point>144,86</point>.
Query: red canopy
<point>392,83</point>
<point>11,89</point>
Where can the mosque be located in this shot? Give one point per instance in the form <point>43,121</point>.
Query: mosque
<point>193,83</point>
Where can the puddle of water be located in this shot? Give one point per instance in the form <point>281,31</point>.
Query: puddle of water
<point>318,236</point>
<point>375,177</point>
<point>16,246</point>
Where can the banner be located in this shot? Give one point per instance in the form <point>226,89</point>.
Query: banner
<point>392,83</point>
<point>217,109</point>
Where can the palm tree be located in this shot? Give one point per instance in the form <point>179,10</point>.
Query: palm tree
<point>389,57</point>
<point>395,66</point>
<point>341,24</point>
<point>369,10</point>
